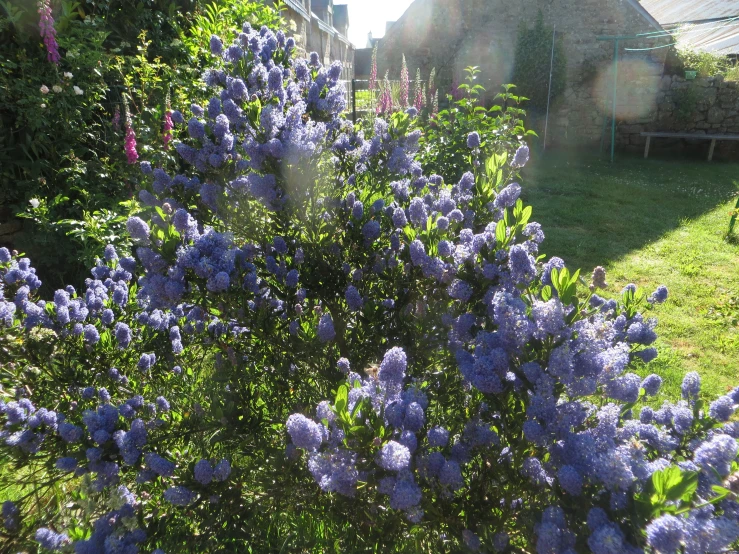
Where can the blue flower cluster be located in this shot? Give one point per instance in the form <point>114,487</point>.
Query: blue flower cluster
<point>295,247</point>
<point>397,464</point>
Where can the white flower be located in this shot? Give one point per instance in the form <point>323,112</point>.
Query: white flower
<point>78,91</point>
<point>44,89</point>
<point>34,202</point>
<point>43,105</point>
<point>56,88</point>
<point>68,75</point>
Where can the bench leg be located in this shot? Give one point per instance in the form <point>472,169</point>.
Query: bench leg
<point>710,150</point>
<point>646,148</point>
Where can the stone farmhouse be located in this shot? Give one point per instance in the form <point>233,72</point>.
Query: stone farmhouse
<point>322,26</point>
<point>450,35</point>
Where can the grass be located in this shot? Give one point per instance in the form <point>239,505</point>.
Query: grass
<point>653,222</point>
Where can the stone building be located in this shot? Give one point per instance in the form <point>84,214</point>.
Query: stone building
<point>322,26</point>
<point>453,34</point>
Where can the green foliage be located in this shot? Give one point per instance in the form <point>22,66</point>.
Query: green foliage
<point>90,234</point>
<point>686,101</point>
<point>669,492</point>
<point>532,63</point>
<point>732,74</point>
<point>444,143</point>
<point>706,64</point>
<point>62,147</point>
<point>221,18</point>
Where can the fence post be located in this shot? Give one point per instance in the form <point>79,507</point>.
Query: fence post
<point>354,101</point>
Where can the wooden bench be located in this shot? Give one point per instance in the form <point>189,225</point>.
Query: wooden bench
<point>712,138</point>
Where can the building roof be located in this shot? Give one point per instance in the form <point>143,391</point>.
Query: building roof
<point>639,7</point>
<point>341,11</point>
<point>372,41</point>
<point>323,25</point>
<point>341,18</point>
<point>298,6</point>
<point>706,25</point>
<point>689,11</point>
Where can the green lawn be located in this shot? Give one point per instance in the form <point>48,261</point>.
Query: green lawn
<point>652,222</point>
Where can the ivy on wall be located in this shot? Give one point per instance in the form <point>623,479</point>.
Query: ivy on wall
<point>686,102</point>
<point>532,63</point>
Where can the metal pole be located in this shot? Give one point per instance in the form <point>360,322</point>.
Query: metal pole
<point>615,88</point>
<point>549,90</point>
<point>605,118</point>
<point>354,101</point>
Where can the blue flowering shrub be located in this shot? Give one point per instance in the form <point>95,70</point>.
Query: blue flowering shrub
<point>317,345</point>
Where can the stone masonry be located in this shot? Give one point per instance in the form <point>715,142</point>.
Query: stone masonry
<point>453,34</point>
<point>702,106</point>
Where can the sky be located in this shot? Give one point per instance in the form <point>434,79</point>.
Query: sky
<point>371,15</point>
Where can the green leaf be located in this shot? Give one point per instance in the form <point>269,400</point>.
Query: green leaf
<point>342,399</point>
<point>685,488</point>
<point>721,491</point>
<point>659,480</point>
<point>673,484</point>
<point>525,215</point>
<point>518,209</point>
<point>546,293</point>
<point>554,277</point>
<point>500,234</point>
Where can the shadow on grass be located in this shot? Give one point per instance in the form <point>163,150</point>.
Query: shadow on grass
<point>594,211</point>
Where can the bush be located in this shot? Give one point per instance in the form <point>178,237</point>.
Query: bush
<point>686,101</point>
<point>307,310</point>
<point>497,130</point>
<point>64,147</point>
<point>706,64</point>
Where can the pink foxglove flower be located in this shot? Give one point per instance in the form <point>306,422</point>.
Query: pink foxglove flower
<point>168,125</point>
<point>48,33</point>
<point>373,71</point>
<point>432,85</point>
<point>130,141</point>
<point>418,100</point>
<point>385,105</point>
<point>131,153</point>
<point>404,84</point>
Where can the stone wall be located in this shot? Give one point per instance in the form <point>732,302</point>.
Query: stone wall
<point>704,106</point>
<point>453,34</point>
